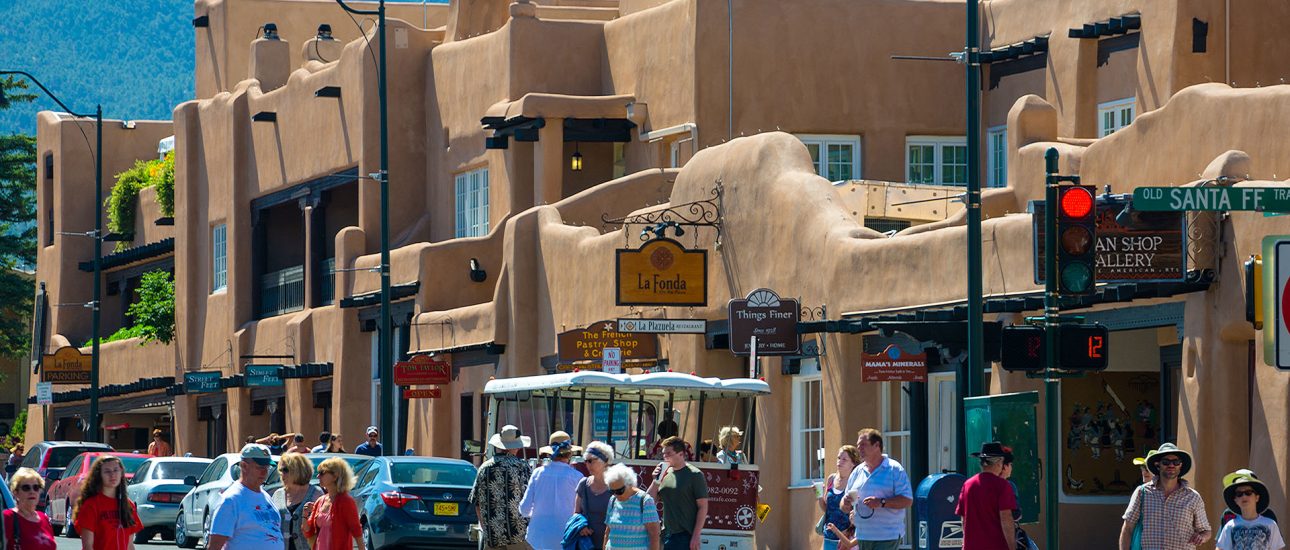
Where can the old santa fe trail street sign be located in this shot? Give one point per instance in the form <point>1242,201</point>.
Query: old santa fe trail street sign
<point>1261,199</point>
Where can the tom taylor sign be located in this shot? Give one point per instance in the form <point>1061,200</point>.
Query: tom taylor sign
<point>773,320</point>
<point>661,273</point>
<point>1153,249</point>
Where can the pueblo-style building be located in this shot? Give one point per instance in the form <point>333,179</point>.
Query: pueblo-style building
<point>830,170</point>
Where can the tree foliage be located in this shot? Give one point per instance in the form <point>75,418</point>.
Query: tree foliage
<point>154,313</point>
<point>17,228</point>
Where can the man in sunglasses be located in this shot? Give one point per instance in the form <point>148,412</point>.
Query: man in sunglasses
<point>245,518</point>
<point>1171,512</point>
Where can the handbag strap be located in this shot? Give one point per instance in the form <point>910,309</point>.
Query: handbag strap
<point>17,540</point>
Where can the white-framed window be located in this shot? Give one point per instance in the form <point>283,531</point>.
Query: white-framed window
<point>472,203</point>
<point>836,157</point>
<point>808,424</point>
<point>219,258</point>
<point>939,160</point>
<point>1113,115</point>
<point>996,140</point>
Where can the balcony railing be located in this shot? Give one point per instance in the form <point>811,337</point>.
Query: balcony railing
<point>326,276</point>
<point>282,291</point>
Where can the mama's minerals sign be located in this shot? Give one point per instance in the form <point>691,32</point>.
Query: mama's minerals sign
<point>661,273</point>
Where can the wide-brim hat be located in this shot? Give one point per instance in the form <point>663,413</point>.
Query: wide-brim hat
<point>1244,477</point>
<point>1142,461</point>
<point>991,449</point>
<point>509,438</point>
<point>1153,461</point>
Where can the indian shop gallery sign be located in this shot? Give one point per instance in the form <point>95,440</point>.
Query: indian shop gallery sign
<point>661,273</point>
<point>893,365</point>
<point>582,347</point>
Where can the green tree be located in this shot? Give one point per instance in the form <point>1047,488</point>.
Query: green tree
<point>17,228</point>
<point>154,312</point>
<point>19,430</point>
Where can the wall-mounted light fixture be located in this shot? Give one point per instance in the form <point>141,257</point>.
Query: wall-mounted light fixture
<point>575,162</point>
<point>270,31</point>
<point>477,273</point>
<point>324,32</point>
<point>202,22</point>
<point>265,116</point>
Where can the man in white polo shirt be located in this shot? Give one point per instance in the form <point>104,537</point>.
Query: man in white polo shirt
<point>878,493</point>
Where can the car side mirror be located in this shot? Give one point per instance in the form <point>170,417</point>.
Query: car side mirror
<point>190,480</point>
<point>472,447</point>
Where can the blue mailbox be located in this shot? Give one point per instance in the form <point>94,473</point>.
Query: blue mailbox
<point>934,503</point>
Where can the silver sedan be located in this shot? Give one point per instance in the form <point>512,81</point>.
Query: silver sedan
<point>157,488</point>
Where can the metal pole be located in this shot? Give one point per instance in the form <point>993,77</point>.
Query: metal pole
<point>94,424</point>
<point>1051,326</point>
<point>385,348</point>
<point>972,369</point>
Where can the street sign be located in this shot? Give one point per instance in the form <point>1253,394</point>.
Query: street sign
<point>424,393</point>
<point>763,314</point>
<point>1151,248</point>
<point>611,359</point>
<point>1263,199</point>
<point>67,365</point>
<point>584,344</point>
<point>893,365</point>
<point>661,273</point>
<point>201,382</point>
<point>263,375</point>
<point>44,393</point>
<point>422,370</point>
<point>664,326</point>
<point>1282,305</point>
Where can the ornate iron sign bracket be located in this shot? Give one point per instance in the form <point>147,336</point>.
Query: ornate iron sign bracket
<point>703,213</point>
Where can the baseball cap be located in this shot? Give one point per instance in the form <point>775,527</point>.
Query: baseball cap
<point>257,453</point>
<point>372,430</point>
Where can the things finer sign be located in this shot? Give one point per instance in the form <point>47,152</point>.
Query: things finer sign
<point>773,320</point>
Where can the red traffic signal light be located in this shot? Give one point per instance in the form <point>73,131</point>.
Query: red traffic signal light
<point>1076,201</point>
<point>1077,240</point>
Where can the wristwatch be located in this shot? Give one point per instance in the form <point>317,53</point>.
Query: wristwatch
<point>882,503</point>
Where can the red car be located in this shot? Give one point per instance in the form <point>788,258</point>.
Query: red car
<point>64,492</point>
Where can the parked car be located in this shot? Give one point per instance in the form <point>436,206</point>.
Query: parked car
<point>356,463</point>
<point>157,488</point>
<point>416,502</point>
<point>62,495</point>
<point>50,458</point>
<point>194,518</point>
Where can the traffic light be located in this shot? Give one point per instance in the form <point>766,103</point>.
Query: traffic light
<point>1076,240</point>
<point>1080,348</point>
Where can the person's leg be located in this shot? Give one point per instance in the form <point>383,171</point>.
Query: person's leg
<point>677,542</point>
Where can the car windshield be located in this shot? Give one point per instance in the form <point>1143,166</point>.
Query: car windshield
<point>60,457</point>
<point>177,470</point>
<point>132,463</point>
<point>432,473</point>
<point>354,462</point>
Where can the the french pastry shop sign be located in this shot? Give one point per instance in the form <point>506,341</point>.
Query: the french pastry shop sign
<point>661,273</point>
<point>893,365</point>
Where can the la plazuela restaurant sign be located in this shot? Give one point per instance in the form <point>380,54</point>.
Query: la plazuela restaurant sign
<point>661,273</point>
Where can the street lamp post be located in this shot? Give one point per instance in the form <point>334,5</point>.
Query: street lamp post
<point>385,351</point>
<point>94,424</point>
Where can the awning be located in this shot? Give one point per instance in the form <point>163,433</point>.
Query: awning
<point>112,390</point>
<point>132,255</point>
<point>373,298</point>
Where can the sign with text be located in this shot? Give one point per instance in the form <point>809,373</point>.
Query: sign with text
<point>44,393</point>
<point>661,273</point>
<point>585,344</point>
<point>1153,247</point>
<point>664,326</point>
<point>1261,199</point>
<point>600,419</point>
<point>263,375</point>
<point>422,370</point>
<point>773,320</point>
<point>201,382</point>
<point>1282,305</point>
<point>732,494</point>
<point>893,365</point>
<point>422,393</point>
<point>611,360</point>
<point>67,365</point>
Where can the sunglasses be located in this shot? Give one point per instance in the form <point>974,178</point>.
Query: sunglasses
<point>1171,462</point>
<point>618,491</point>
<point>1245,493</point>
<point>25,487</point>
<point>284,470</point>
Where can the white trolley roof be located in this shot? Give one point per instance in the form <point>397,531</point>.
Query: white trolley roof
<point>680,386</point>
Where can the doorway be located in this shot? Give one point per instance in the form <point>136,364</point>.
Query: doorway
<point>942,433</point>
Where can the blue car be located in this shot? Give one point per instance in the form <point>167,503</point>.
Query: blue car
<point>416,502</point>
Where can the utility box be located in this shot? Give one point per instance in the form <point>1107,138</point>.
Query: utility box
<point>1009,419</point>
<point>934,504</point>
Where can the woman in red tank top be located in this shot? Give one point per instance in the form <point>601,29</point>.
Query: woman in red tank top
<point>27,529</point>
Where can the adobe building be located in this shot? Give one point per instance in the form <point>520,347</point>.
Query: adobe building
<point>832,185</point>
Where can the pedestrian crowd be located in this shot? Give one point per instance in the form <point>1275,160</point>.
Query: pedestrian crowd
<point>555,506</point>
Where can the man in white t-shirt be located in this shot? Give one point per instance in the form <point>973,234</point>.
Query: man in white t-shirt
<point>245,518</point>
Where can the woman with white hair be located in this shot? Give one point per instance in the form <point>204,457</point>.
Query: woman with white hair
<point>592,499</point>
<point>730,438</point>
<point>632,522</point>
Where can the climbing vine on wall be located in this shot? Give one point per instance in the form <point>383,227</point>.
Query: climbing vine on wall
<point>123,202</point>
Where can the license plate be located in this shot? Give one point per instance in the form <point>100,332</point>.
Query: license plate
<point>445,509</point>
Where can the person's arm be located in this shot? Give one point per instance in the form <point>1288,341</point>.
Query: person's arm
<point>700,518</point>
<point>528,504</point>
<point>843,540</point>
<point>653,531</point>
<point>87,540</point>
<point>1009,528</point>
<point>351,519</point>
<point>902,493</point>
<point>1203,531</point>
<point>1126,536</point>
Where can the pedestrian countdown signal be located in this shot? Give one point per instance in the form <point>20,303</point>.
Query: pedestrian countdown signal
<point>1081,348</point>
<point>1077,238</point>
